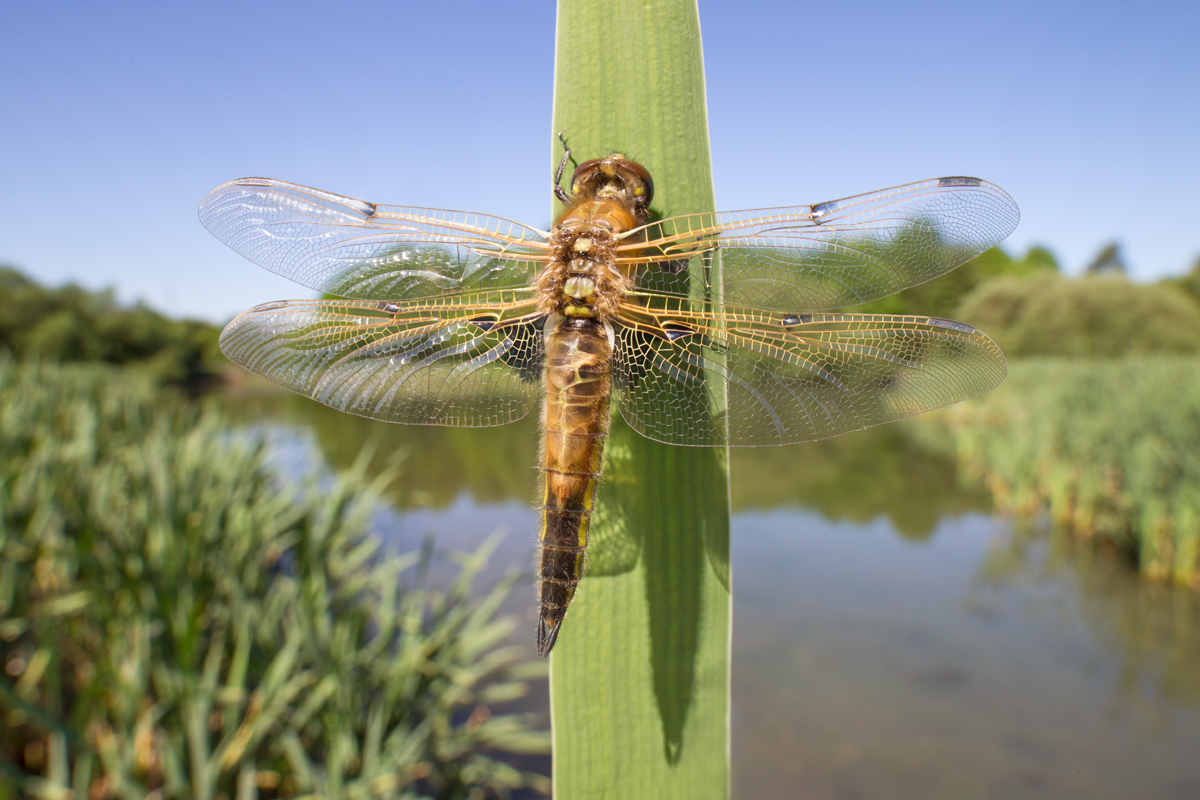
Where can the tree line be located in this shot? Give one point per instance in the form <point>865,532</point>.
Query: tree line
<point>72,324</point>
<point>1024,302</point>
<point>1030,308</point>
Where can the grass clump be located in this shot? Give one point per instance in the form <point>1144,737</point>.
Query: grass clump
<point>173,623</point>
<point>1109,448</point>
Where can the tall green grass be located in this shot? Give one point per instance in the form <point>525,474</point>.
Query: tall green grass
<point>173,621</point>
<point>1109,448</point>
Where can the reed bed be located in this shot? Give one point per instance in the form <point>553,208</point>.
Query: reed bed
<point>175,623</point>
<point>1110,449</point>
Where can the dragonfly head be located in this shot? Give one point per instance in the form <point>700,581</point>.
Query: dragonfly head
<point>614,176</point>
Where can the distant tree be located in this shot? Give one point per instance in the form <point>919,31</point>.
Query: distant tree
<point>1108,261</point>
<point>1039,259</point>
<point>70,323</point>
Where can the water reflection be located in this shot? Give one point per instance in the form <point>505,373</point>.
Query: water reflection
<point>869,666</point>
<point>1154,627</point>
<point>903,472</point>
<point>891,638</point>
<point>490,465</point>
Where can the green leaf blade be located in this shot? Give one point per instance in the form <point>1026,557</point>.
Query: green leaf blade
<point>640,675</point>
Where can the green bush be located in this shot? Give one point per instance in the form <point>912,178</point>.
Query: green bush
<point>1188,284</point>
<point>941,297</point>
<point>1109,448</point>
<point>174,622</point>
<point>1048,315</point>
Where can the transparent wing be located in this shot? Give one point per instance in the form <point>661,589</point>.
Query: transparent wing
<point>789,377</point>
<point>351,248</point>
<point>471,360</point>
<point>833,254</point>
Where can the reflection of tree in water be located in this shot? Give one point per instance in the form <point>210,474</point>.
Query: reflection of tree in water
<point>492,465</point>
<point>1154,627</point>
<point>898,471</point>
<point>895,471</point>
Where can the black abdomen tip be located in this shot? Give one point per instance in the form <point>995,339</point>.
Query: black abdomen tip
<point>547,634</point>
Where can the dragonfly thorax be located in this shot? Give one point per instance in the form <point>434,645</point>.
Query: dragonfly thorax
<point>582,280</point>
<point>581,266</point>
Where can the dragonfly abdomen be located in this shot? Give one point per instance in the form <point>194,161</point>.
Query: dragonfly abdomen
<point>578,375</point>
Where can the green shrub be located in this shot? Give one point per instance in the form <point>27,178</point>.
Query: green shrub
<point>173,621</point>
<point>941,297</point>
<point>1048,315</point>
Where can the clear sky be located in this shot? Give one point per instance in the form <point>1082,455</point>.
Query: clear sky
<point>117,118</point>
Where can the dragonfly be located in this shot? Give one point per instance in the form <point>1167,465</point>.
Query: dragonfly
<point>709,329</point>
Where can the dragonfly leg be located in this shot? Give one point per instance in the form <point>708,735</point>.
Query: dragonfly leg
<point>559,192</point>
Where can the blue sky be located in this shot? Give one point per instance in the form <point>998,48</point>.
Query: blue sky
<point>117,118</point>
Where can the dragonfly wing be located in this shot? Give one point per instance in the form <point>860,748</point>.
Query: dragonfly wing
<point>470,361</point>
<point>833,254</point>
<point>352,248</point>
<point>692,376</point>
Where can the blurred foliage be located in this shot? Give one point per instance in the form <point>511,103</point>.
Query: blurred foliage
<point>1189,284</point>
<point>1106,316</point>
<point>1108,261</point>
<point>1109,449</point>
<point>72,324</point>
<point>941,297</point>
<point>175,624</point>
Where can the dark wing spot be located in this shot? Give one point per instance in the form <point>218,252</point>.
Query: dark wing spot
<point>677,330</point>
<point>884,383</point>
<point>959,180</point>
<point>483,323</point>
<point>951,324</point>
<point>796,319</point>
<point>391,308</point>
<point>673,267</point>
<point>823,210</point>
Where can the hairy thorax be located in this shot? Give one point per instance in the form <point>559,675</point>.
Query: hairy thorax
<point>583,279</point>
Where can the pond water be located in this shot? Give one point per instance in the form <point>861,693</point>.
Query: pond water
<point>891,639</point>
